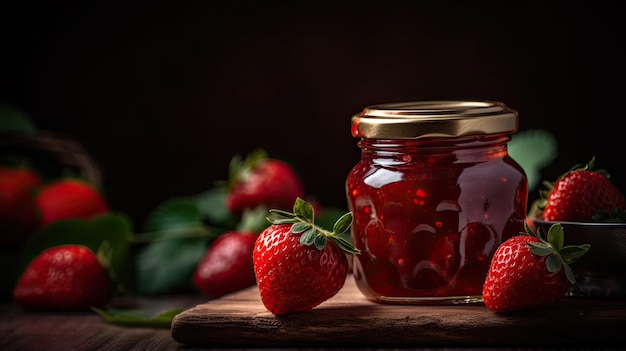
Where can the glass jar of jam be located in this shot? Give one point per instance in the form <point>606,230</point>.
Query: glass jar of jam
<point>433,196</point>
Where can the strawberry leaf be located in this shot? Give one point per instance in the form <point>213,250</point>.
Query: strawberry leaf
<point>253,220</point>
<point>553,263</point>
<point>303,209</point>
<point>308,237</point>
<point>174,214</point>
<point>281,217</point>
<point>559,256</point>
<point>300,227</point>
<point>533,149</point>
<point>555,236</point>
<point>540,248</point>
<point>177,238</point>
<point>569,273</point>
<point>280,220</point>
<point>167,266</point>
<point>213,209</point>
<point>320,241</point>
<point>302,221</point>
<point>138,318</point>
<point>345,245</point>
<point>572,253</point>
<point>14,120</point>
<point>343,223</point>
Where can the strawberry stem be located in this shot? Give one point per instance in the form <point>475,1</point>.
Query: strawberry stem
<point>240,168</point>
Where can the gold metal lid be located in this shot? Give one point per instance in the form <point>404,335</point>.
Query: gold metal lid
<point>421,119</point>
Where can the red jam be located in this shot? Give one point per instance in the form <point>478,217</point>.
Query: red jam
<point>430,211</point>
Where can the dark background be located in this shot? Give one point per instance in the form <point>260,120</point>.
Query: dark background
<point>163,94</point>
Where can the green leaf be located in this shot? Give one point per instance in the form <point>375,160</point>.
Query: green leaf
<point>138,318</point>
<point>303,209</point>
<point>212,208</point>
<point>177,240</point>
<point>320,241</point>
<point>281,217</point>
<point>555,236</point>
<point>113,228</point>
<point>300,227</point>
<point>254,220</point>
<point>572,253</point>
<point>167,266</point>
<point>569,273</point>
<point>529,230</point>
<point>343,223</point>
<point>280,220</point>
<point>553,263</point>
<point>303,217</point>
<point>174,214</point>
<point>533,149</point>
<point>345,245</point>
<point>309,236</point>
<point>13,120</point>
<point>540,248</point>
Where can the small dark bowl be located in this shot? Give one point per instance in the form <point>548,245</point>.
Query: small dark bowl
<point>601,272</point>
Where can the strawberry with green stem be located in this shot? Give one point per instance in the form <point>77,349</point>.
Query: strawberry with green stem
<point>582,194</point>
<point>261,180</point>
<point>298,265</point>
<point>529,272</point>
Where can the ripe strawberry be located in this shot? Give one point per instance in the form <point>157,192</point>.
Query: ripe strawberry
<point>259,180</point>
<point>65,277</point>
<point>299,265</point>
<point>582,195</point>
<point>227,265</point>
<point>69,198</point>
<point>527,272</point>
<point>18,215</point>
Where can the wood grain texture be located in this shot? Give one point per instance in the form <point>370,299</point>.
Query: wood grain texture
<point>62,331</point>
<point>348,319</point>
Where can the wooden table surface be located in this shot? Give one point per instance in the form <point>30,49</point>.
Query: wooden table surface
<point>348,321</point>
<point>86,330</point>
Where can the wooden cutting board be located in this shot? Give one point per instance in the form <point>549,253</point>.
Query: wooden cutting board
<point>348,319</point>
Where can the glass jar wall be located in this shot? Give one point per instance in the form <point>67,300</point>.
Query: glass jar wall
<point>433,196</point>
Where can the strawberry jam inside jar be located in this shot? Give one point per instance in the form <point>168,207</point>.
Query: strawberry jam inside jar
<point>434,194</point>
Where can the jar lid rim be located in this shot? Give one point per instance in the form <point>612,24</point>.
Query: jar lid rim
<point>445,118</point>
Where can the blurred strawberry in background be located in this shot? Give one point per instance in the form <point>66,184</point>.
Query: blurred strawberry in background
<point>52,199</point>
<point>18,214</point>
<point>45,177</point>
<point>227,265</point>
<point>64,277</point>
<point>69,198</point>
<point>261,180</point>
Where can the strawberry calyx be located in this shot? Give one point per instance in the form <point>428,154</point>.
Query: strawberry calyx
<point>240,168</point>
<point>558,256</point>
<point>302,222</point>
